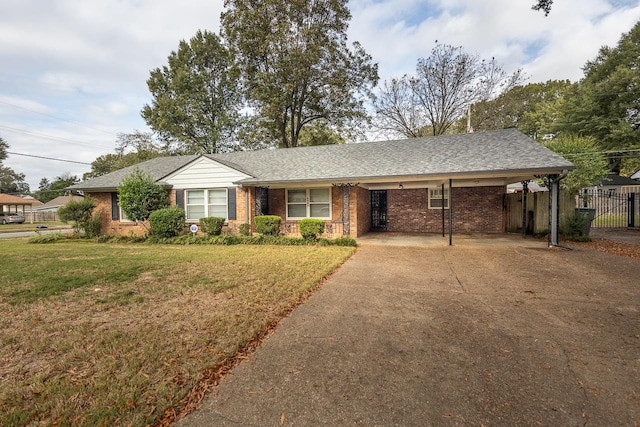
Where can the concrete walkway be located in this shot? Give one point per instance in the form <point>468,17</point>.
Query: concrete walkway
<point>495,331</point>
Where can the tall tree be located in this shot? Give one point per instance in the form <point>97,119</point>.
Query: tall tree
<point>3,149</point>
<point>446,84</point>
<point>11,182</point>
<point>296,66</point>
<point>195,98</point>
<point>49,190</point>
<point>532,108</point>
<point>131,149</point>
<point>591,165</point>
<point>606,103</point>
<point>543,5</point>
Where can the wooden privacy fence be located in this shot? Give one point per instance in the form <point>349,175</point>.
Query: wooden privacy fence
<point>537,215</point>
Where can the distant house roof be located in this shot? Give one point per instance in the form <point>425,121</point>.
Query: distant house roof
<point>503,153</point>
<point>8,199</point>
<point>58,201</point>
<point>617,179</point>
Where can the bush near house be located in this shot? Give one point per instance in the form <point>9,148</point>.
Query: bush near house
<point>311,228</point>
<point>212,225</point>
<point>78,212</point>
<point>268,224</point>
<point>167,222</point>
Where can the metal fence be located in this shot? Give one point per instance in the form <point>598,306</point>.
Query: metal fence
<point>612,208</point>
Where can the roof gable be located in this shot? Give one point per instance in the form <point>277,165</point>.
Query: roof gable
<point>204,172</point>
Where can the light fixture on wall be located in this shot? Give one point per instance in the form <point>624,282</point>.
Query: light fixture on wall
<point>400,186</point>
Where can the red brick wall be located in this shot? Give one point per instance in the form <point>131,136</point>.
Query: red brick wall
<point>109,226</point>
<point>475,209</point>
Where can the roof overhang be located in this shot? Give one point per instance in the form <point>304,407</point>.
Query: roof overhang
<point>460,179</point>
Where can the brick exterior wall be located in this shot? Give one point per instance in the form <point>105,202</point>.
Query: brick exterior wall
<point>109,226</point>
<point>475,209</point>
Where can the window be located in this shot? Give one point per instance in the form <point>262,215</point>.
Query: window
<point>309,203</point>
<point>435,198</point>
<point>205,203</point>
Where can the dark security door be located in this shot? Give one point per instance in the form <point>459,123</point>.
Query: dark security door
<point>379,209</point>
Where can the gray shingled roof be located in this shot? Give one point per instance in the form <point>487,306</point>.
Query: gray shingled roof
<point>482,153</point>
<point>158,168</point>
<point>507,152</point>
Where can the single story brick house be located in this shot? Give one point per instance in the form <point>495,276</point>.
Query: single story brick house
<point>436,184</point>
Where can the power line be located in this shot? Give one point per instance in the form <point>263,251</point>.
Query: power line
<point>54,138</point>
<point>57,118</point>
<point>48,158</point>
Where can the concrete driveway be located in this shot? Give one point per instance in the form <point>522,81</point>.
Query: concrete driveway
<point>490,331</point>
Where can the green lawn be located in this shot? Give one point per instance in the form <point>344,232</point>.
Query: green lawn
<point>106,334</point>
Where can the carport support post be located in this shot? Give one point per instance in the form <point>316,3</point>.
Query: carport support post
<point>443,223</point>
<point>450,211</point>
<point>555,198</point>
<point>525,190</point>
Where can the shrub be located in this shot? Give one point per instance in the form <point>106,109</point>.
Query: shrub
<point>167,222</point>
<point>245,229</point>
<point>344,241</point>
<point>140,195</point>
<point>268,224</point>
<point>77,211</point>
<point>572,229</point>
<point>93,226</point>
<point>212,225</point>
<point>311,228</point>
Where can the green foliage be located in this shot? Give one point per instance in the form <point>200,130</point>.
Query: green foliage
<point>93,227</point>
<point>47,238</point>
<point>58,187</point>
<point>244,229</point>
<point>605,103</point>
<point>77,211</point>
<point>532,108</point>
<point>268,224</point>
<point>144,148</point>
<point>140,195</point>
<point>591,166</point>
<point>11,182</point>
<point>573,226</point>
<point>311,228</point>
<point>296,66</point>
<point>212,225</point>
<point>195,97</point>
<point>167,222</point>
<point>236,239</point>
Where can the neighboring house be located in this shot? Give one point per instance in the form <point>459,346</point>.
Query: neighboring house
<point>636,176</point>
<point>55,204</point>
<point>614,184</point>
<point>14,204</point>
<point>404,185</point>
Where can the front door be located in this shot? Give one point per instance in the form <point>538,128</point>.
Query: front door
<point>378,209</point>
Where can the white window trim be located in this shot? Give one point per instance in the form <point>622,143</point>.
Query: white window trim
<point>308,203</point>
<point>439,197</point>
<point>206,202</point>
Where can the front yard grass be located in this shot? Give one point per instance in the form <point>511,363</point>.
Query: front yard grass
<point>106,334</point>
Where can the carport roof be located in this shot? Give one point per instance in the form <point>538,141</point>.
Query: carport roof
<point>507,153</point>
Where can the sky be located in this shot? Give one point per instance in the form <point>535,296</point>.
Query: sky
<point>73,73</point>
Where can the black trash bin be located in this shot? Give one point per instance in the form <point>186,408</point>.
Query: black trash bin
<point>587,214</point>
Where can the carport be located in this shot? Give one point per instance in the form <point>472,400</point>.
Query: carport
<point>10,204</point>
